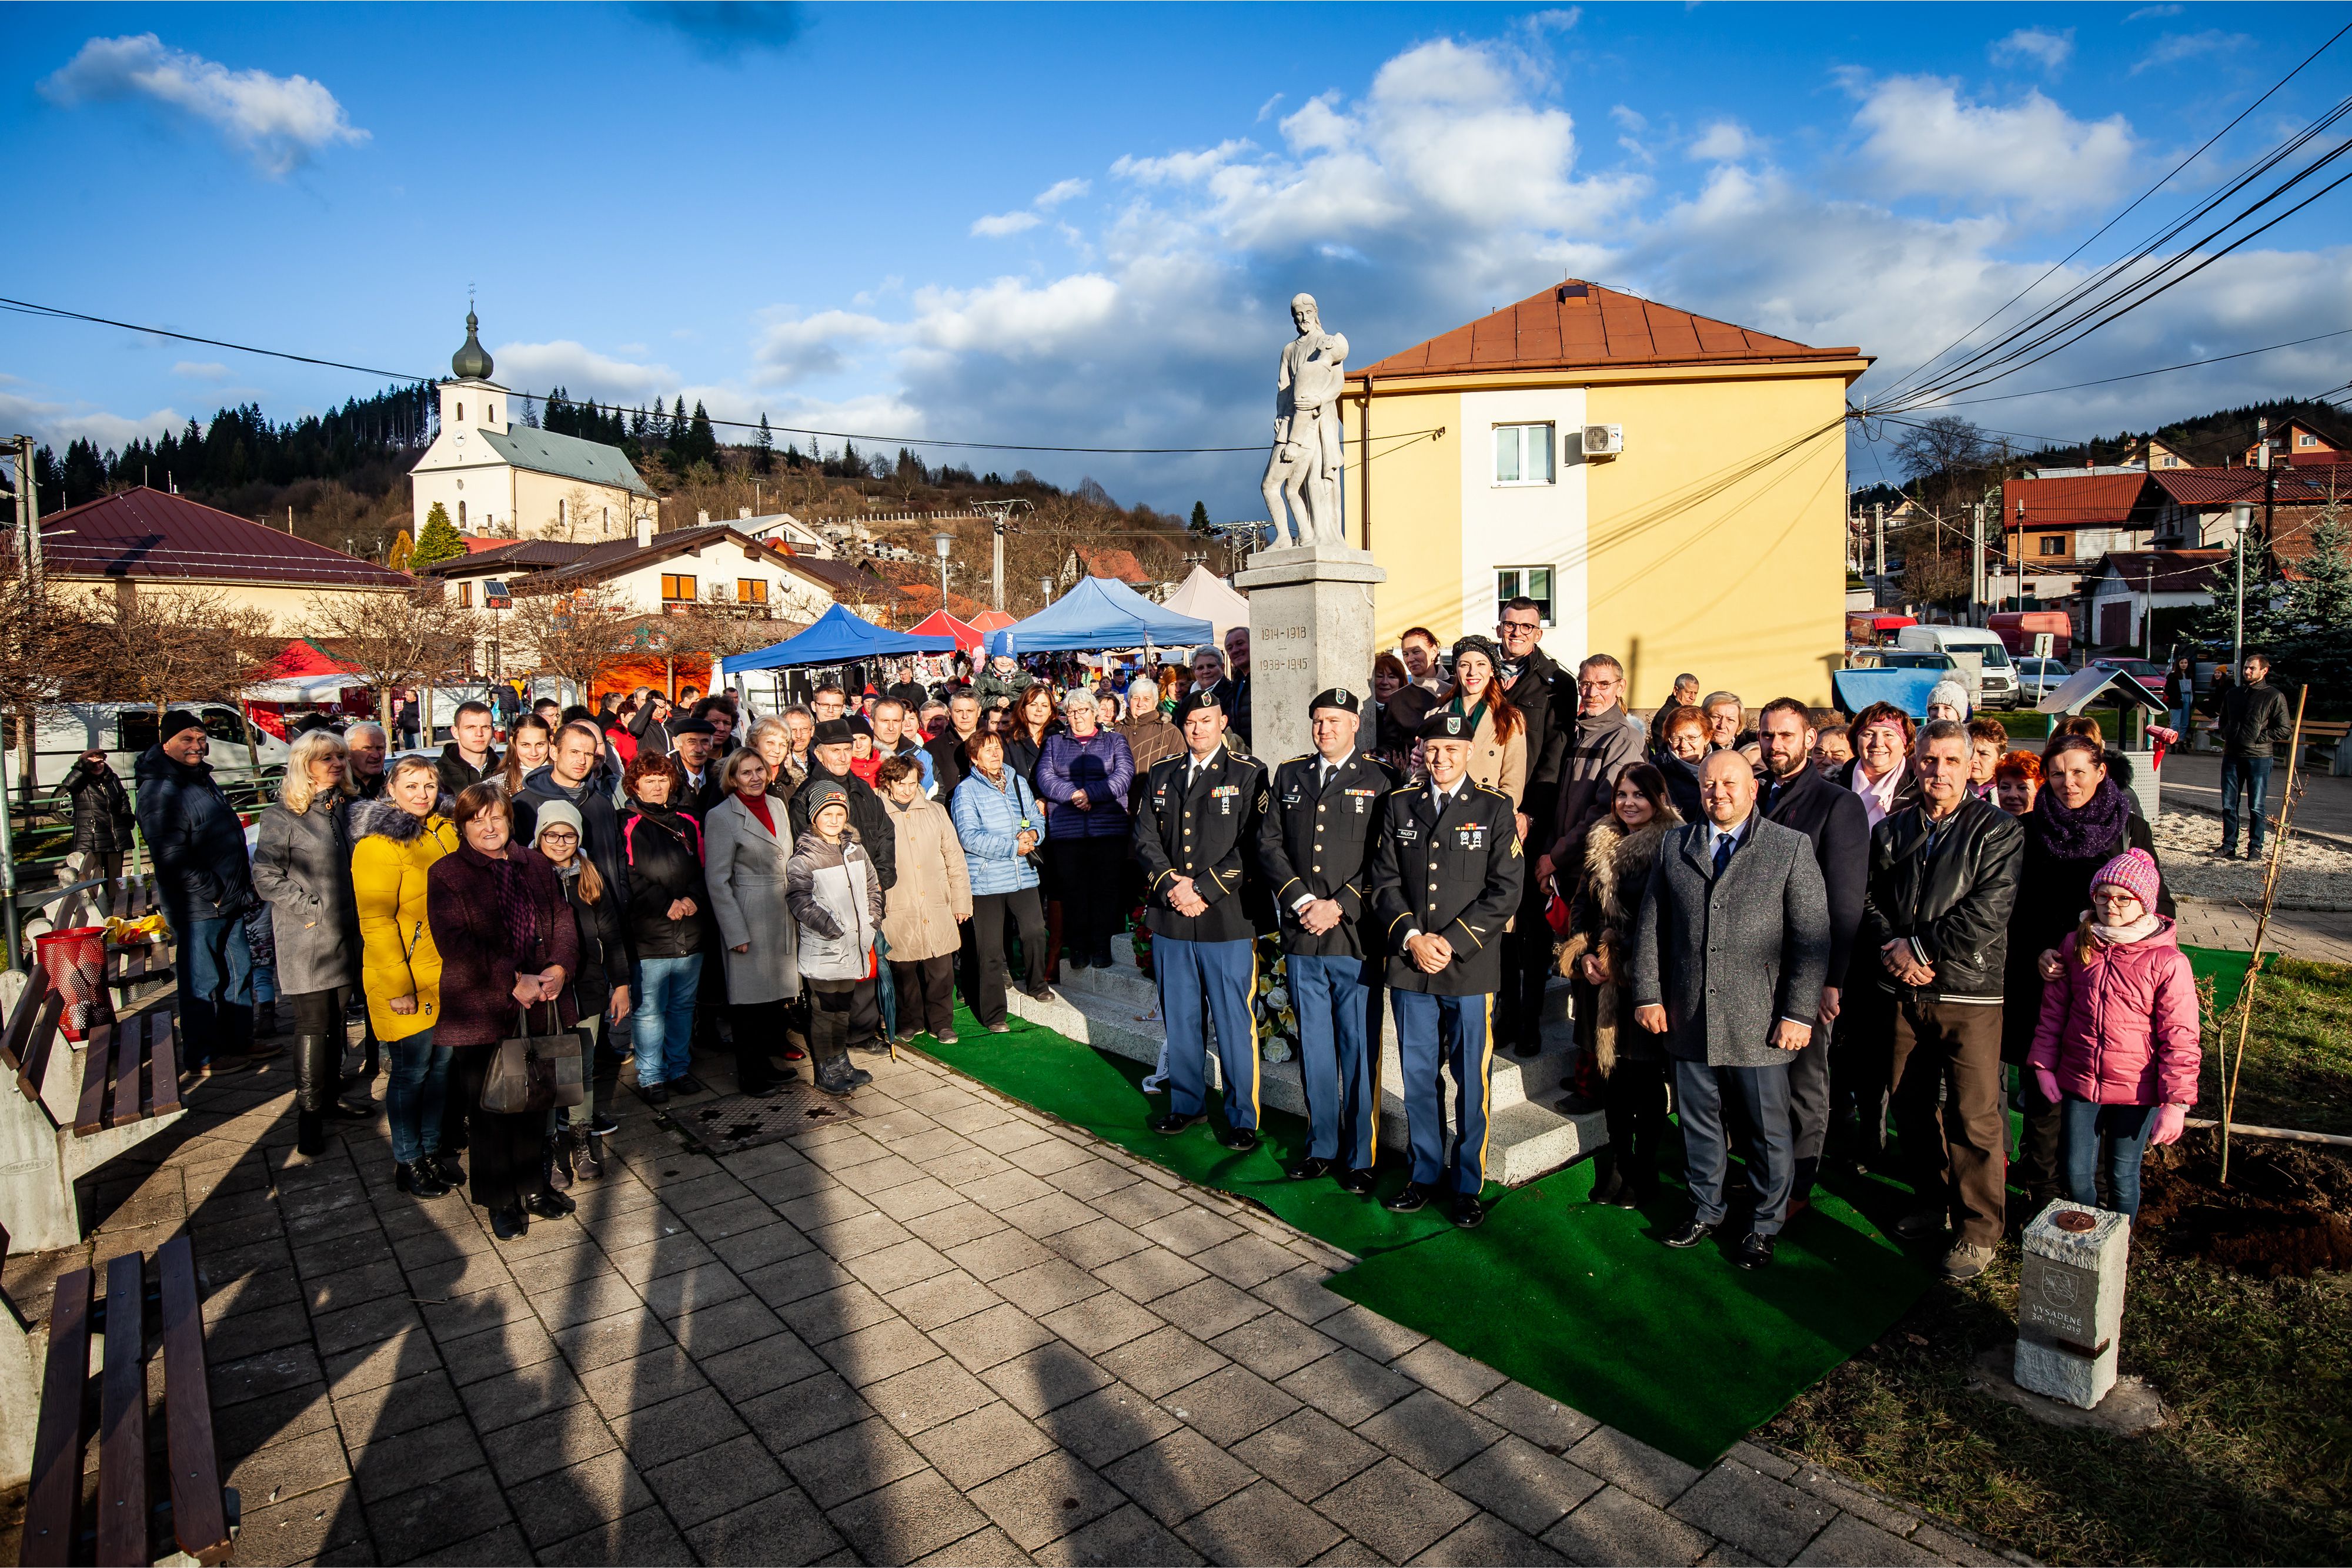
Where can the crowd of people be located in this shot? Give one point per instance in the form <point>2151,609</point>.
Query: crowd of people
<point>1786,929</point>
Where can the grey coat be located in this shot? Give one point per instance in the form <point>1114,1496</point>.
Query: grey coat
<point>1728,958</point>
<point>302,869</point>
<point>744,866</point>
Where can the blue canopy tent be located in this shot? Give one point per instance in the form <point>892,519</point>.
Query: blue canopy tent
<point>1099,613</point>
<point>838,637</point>
<point>1854,690</point>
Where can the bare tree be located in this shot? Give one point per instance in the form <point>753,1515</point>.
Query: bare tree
<point>1945,456</point>
<point>44,654</point>
<point>159,648</point>
<point>416,637</point>
<point>576,636</point>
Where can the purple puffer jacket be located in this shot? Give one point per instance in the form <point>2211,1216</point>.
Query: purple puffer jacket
<point>1103,766</point>
<point>2122,1029</point>
<point>469,930</point>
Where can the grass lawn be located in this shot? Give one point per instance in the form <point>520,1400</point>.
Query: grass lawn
<point>2255,1464</point>
<point>2298,1069</point>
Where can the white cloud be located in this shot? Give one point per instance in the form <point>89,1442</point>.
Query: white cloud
<point>580,371</point>
<point>276,121</point>
<point>1724,142</point>
<point>1001,224</point>
<point>2155,11</point>
<point>794,348</point>
<point>1925,138</point>
<point>2175,47</point>
<point>55,424</point>
<point>1061,190</point>
<point>201,370</point>
<point>2050,50</point>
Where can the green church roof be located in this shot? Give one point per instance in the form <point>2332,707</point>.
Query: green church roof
<point>471,362</point>
<point>567,457</point>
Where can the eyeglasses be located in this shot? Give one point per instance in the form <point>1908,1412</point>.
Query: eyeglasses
<point>558,836</point>
<point>1598,685</point>
<point>1510,626</point>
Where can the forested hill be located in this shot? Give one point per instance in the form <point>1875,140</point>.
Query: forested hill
<point>2208,440</point>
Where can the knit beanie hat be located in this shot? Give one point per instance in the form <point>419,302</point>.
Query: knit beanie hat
<point>556,814</point>
<point>2135,872</point>
<point>1950,691</point>
<point>178,719</point>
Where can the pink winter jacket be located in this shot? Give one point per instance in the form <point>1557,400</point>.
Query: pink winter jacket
<point>2122,1028</point>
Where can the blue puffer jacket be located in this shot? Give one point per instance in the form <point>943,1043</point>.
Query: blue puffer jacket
<point>1103,766</point>
<point>988,821</point>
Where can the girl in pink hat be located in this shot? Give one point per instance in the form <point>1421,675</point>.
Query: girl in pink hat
<point>2118,1046</point>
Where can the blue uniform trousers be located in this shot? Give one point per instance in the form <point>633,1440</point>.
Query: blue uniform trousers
<point>1338,1055</point>
<point>1763,1093</point>
<point>1451,1034</point>
<point>1205,989</point>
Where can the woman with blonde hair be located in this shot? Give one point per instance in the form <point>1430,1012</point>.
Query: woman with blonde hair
<point>400,838</point>
<point>772,738</point>
<point>746,846</point>
<point>302,870</point>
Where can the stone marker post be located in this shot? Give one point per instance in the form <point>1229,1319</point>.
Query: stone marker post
<point>2070,1303</point>
<point>1310,629</point>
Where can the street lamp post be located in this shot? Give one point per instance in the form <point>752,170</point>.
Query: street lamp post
<point>2243,513</point>
<point>1044,590</point>
<point>943,542</point>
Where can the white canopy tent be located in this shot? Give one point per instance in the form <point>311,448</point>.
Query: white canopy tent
<point>1210,598</point>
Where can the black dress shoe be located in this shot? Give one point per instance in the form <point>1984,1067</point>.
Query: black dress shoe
<point>342,1112</point>
<point>1690,1234</point>
<point>1469,1213</point>
<point>686,1084</point>
<point>657,1094</point>
<point>1169,1122</point>
<point>1627,1196</point>
<point>509,1223</point>
<point>1308,1169</point>
<point>418,1180</point>
<point>1359,1182</point>
<point>1755,1251</point>
<point>1414,1197</point>
<point>446,1166</point>
<point>1241,1140</point>
<point>549,1203</point>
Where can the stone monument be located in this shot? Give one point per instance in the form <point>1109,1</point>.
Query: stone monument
<point>2070,1303</point>
<point>1310,596</point>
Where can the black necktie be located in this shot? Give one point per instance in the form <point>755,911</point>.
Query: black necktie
<point>1722,852</point>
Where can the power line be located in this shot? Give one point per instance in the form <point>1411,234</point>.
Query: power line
<point>2134,375</point>
<point>28,308</point>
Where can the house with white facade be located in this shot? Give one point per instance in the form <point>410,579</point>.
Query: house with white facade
<point>494,475</point>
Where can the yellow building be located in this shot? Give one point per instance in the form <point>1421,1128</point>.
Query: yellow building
<point>1671,488</point>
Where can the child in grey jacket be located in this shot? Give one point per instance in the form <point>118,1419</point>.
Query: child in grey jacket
<point>836,901</point>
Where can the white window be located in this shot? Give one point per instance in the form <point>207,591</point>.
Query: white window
<point>2301,439</point>
<point>1530,582</point>
<point>1523,454</point>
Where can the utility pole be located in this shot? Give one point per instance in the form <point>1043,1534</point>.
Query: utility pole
<point>999,513</point>
<point>2244,515</point>
<point>1879,568</point>
<point>29,511</point>
<point>1977,565</point>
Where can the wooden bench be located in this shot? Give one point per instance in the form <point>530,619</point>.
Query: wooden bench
<point>121,1524</point>
<point>59,1124</point>
<point>134,972</point>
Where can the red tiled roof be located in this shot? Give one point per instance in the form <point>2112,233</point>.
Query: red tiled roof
<point>2299,484</point>
<point>2082,500</point>
<point>1576,325</point>
<point>146,533</point>
<point>2167,571</point>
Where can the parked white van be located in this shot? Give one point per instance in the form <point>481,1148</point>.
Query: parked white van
<point>63,731</point>
<point>1998,688</point>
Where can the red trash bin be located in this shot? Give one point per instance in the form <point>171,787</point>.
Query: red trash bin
<point>75,962</point>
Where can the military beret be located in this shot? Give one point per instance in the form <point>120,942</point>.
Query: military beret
<point>1339,698</point>
<point>1192,703</point>
<point>1446,724</point>
<point>835,732</point>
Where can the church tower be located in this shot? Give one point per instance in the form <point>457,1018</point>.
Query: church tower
<point>470,400</point>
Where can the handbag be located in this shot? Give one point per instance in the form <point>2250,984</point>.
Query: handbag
<point>533,1072</point>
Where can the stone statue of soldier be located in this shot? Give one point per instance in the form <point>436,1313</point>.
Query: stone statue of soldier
<point>1304,467</point>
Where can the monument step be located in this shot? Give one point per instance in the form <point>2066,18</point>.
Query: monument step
<point>1117,1011</point>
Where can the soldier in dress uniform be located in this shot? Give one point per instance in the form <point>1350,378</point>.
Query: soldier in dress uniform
<point>1314,848</point>
<point>1195,822</point>
<point>1446,878</point>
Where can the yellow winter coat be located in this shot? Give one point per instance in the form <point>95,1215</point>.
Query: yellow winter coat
<point>397,955</point>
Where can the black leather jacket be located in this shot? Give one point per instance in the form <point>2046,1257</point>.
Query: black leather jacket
<point>1947,889</point>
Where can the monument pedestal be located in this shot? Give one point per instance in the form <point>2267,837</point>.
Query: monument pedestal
<point>1310,629</point>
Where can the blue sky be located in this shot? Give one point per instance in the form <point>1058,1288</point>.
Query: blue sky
<point>1078,225</point>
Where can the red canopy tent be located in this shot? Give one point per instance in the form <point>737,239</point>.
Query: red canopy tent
<point>940,623</point>
<point>990,620</point>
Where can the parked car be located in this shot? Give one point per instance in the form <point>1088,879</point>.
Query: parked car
<point>1996,676</point>
<point>63,731</point>
<point>2038,678</point>
<point>1898,659</point>
<point>2147,672</point>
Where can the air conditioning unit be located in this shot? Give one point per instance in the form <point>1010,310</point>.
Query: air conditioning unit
<point>1603,440</point>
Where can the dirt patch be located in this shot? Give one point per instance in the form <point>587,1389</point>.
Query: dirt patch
<point>2286,1211</point>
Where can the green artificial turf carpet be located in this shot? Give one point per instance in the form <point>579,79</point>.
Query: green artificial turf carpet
<point>2225,968</point>
<point>1577,1299</point>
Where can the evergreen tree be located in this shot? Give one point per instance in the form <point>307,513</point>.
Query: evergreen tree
<point>701,442</point>
<point>763,448</point>
<point>1200,517</point>
<point>439,541</point>
<point>403,552</point>
<point>2317,644</point>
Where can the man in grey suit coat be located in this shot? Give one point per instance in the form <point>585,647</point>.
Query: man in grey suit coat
<point>1728,959</point>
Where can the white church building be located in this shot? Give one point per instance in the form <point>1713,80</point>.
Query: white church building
<point>495,476</point>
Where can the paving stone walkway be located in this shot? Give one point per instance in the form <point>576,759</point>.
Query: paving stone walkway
<point>952,1330</point>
